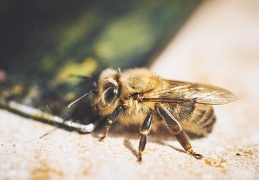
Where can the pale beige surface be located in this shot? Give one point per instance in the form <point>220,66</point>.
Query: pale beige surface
<point>220,46</point>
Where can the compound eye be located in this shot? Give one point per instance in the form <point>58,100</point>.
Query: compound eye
<point>108,96</point>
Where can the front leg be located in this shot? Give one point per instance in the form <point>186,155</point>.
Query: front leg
<point>176,129</point>
<point>111,119</point>
<point>146,126</point>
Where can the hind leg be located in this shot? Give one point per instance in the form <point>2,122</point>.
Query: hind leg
<point>176,129</point>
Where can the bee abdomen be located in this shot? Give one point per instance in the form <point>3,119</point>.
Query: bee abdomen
<point>208,119</point>
<point>201,119</point>
<point>198,119</point>
<point>209,122</point>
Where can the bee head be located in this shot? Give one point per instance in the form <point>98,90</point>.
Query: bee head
<point>108,90</point>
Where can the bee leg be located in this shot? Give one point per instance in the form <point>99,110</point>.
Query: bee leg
<point>144,132</point>
<point>111,119</point>
<point>176,129</point>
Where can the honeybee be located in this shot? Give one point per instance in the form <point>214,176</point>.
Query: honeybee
<point>137,96</point>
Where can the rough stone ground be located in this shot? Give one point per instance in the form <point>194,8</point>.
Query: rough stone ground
<point>219,45</point>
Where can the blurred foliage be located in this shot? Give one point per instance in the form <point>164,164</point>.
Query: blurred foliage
<point>45,43</point>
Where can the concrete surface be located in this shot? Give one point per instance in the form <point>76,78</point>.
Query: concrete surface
<point>219,46</point>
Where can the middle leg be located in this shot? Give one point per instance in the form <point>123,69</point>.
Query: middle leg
<point>146,126</point>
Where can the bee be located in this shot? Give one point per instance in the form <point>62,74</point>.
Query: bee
<point>137,96</point>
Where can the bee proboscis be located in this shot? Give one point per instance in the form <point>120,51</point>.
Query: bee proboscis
<point>141,97</point>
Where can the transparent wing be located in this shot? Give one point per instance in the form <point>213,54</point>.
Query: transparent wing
<point>182,92</point>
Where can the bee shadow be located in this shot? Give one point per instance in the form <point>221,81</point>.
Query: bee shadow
<point>129,146</point>
<point>132,132</point>
<point>171,146</point>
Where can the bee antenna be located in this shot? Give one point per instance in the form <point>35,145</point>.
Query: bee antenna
<point>80,76</point>
<point>81,97</point>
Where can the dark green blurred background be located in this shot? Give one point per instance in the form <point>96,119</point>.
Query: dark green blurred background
<point>45,43</point>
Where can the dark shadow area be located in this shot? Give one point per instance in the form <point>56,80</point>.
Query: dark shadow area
<point>173,147</point>
<point>44,43</point>
<point>129,146</point>
<point>134,150</point>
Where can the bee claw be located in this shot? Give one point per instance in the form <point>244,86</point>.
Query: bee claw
<point>196,155</point>
<point>139,157</point>
<point>139,160</point>
<point>101,139</point>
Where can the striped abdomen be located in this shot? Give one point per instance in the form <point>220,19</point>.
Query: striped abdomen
<point>197,118</point>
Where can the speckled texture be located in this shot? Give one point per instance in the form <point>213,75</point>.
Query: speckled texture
<point>219,46</point>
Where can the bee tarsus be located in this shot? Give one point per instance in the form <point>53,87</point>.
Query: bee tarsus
<point>111,119</point>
